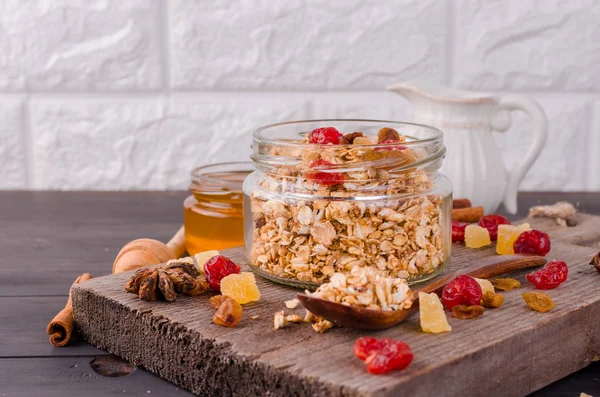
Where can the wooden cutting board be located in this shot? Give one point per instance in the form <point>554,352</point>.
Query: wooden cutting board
<point>510,351</point>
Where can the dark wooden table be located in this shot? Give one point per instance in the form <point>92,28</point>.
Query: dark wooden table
<point>48,238</point>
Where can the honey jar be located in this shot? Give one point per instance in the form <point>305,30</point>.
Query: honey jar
<point>212,214</point>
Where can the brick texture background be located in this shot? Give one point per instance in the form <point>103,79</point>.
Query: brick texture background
<point>113,94</point>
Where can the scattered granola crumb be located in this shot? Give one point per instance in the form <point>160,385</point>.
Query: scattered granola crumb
<point>322,325</point>
<point>584,395</point>
<point>292,304</point>
<point>254,317</point>
<point>281,320</point>
<point>309,317</point>
<point>559,211</point>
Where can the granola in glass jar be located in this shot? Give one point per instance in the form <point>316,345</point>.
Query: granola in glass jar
<point>326,202</point>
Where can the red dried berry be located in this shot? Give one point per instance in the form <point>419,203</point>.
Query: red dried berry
<point>363,347</point>
<point>324,136</point>
<point>383,355</point>
<point>218,267</point>
<point>458,230</point>
<point>388,141</point>
<point>550,276</point>
<point>324,178</point>
<point>532,242</point>
<point>463,290</point>
<point>491,223</point>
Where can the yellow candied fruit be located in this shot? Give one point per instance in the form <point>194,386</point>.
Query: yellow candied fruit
<point>507,234</point>
<point>202,257</point>
<point>486,285</point>
<point>241,287</point>
<point>431,311</point>
<point>477,236</point>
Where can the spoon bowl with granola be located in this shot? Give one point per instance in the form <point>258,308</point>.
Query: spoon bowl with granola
<point>365,300</point>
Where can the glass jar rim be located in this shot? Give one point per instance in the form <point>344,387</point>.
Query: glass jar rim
<point>206,173</point>
<point>259,138</point>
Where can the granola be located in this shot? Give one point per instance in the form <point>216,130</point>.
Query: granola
<point>310,221</point>
<point>366,288</point>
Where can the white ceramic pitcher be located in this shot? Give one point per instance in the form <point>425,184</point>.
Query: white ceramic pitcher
<point>473,162</point>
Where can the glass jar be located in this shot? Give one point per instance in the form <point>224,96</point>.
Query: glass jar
<point>374,199</point>
<point>212,214</point>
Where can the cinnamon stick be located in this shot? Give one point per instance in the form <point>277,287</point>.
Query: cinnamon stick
<point>61,326</point>
<point>467,214</point>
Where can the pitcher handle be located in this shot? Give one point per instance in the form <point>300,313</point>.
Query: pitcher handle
<point>500,121</point>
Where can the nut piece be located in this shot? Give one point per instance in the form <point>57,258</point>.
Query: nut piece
<point>559,211</point>
<point>185,267</point>
<point>292,304</point>
<point>229,314</point>
<point>596,261</point>
<point>492,300</point>
<point>200,287</point>
<point>386,134</point>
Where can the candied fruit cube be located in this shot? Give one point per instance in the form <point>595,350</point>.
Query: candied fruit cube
<point>202,257</point>
<point>477,236</point>
<point>486,285</point>
<point>431,311</point>
<point>507,234</point>
<point>241,287</point>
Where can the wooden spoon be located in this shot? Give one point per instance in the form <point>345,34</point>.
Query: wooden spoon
<point>145,252</point>
<point>360,318</point>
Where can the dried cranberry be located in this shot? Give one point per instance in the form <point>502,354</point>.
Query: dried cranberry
<point>550,276</point>
<point>383,355</point>
<point>532,242</point>
<point>491,223</point>
<point>218,267</point>
<point>324,136</point>
<point>463,290</point>
<point>324,178</point>
<point>458,230</point>
<point>387,142</point>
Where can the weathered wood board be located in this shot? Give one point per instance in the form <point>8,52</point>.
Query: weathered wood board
<point>510,351</point>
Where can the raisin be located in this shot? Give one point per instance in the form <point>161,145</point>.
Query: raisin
<point>349,138</point>
<point>463,290</point>
<point>538,301</point>
<point>387,134</point>
<point>491,223</point>
<point>492,300</point>
<point>505,284</point>
<point>464,312</point>
<point>216,300</point>
<point>324,178</point>
<point>550,276</point>
<point>458,230</point>
<point>532,242</point>
<point>461,203</point>
<point>596,261</point>
<point>229,314</point>
<point>324,136</point>
<point>383,355</point>
<point>218,267</point>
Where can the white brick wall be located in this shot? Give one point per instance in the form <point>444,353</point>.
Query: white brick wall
<point>113,94</point>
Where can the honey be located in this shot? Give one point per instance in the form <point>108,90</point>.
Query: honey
<point>212,214</point>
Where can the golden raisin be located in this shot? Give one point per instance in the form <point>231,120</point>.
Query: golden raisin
<point>464,312</point>
<point>492,300</point>
<point>217,300</point>
<point>505,284</point>
<point>538,301</point>
<point>229,314</point>
<point>386,134</point>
